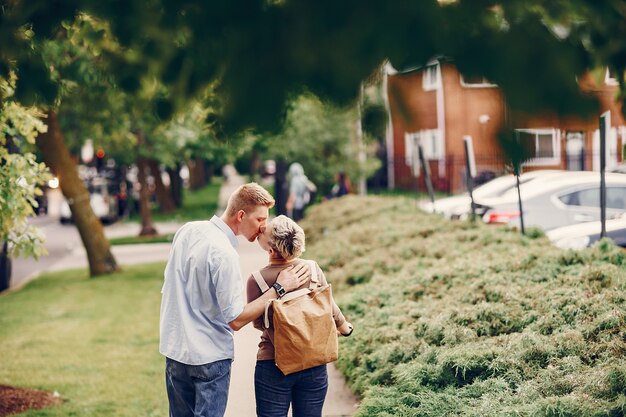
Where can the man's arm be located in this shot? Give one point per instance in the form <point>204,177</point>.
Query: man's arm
<point>253,292</point>
<point>290,278</point>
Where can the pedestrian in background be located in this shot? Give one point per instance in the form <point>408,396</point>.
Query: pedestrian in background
<point>300,190</point>
<point>341,187</point>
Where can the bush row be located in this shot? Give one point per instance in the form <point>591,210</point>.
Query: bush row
<point>457,318</point>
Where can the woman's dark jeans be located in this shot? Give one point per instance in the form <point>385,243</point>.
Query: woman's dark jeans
<point>197,390</point>
<point>304,390</point>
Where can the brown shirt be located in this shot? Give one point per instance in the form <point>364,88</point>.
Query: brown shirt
<point>270,274</point>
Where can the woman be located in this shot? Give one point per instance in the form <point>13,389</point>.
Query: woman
<point>305,390</point>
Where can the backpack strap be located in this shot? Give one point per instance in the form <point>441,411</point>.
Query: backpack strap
<point>260,281</point>
<point>314,278</point>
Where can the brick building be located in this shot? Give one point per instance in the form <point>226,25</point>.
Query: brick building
<point>436,107</point>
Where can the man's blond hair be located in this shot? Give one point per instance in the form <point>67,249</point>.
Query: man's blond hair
<point>287,237</point>
<point>247,197</point>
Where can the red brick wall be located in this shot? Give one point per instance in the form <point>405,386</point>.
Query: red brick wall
<point>463,108</point>
<point>413,109</point>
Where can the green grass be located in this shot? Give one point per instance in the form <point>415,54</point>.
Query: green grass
<point>94,341</point>
<point>131,240</point>
<point>461,319</point>
<point>417,195</point>
<point>197,205</point>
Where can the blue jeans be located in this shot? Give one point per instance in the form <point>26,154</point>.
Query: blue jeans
<point>305,390</point>
<point>197,390</point>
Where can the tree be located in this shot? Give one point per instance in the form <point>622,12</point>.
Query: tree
<point>58,158</point>
<point>20,179</point>
<point>272,49</point>
<point>320,136</point>
<point>258,54</point>
<point>21,176</point>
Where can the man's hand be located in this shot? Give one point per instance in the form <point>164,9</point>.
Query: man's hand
<point>294,277</point>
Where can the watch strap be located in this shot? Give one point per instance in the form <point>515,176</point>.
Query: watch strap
<point>279,289</point>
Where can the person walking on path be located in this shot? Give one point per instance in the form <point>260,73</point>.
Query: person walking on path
<point>300,189</point>
<point>203,303</point>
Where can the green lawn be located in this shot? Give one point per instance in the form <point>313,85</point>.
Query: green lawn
<point>197,205</point>
<point>130,240</point>
<point>94,341</point>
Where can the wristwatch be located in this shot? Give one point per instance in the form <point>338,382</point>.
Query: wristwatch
<point>279,289</point>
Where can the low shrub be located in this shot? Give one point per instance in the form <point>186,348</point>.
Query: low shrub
<point>463,319</point>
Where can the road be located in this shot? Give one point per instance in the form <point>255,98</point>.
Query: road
<point>66,250</point>
<point>61,240</point>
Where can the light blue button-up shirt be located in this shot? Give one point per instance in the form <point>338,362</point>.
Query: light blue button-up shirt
<point>202,293</point>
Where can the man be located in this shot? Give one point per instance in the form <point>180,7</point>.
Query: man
<point>203,303</point>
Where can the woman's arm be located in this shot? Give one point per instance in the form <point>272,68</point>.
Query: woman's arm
<point>343,326</point>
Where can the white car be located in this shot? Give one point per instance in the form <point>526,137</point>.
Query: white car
<point>459,206</point>
<point>103,203</point>
<point>579,236</point>
<point>557,201</point>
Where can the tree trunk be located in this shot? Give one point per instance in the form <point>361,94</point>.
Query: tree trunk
<point>58,158</point>
<point>176,185</point>
<point>281,187</point>
<point>147,225</point>
<point>209,167</point>
<point>255,164</point>
<point>166,203</point>
<point>197,174</point>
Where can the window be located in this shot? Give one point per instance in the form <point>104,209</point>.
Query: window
<point>587,198</point>
<point>431,77</point>
<point>609,78</point>
<point>431,141</point>
<point>543,144</point>
<point>615,198</point>
<point>475,81</point>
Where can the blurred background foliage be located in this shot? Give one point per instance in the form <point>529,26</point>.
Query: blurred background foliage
<point>258,53</point>
<point>210,82</point>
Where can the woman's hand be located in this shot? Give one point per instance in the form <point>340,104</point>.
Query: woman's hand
<point>345,329</point>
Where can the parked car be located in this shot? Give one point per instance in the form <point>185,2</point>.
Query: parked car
<point>557,201</point>
<point>102,198</point>
<point>459,206</point>
<point>579,236</point>
<point>621,168</point>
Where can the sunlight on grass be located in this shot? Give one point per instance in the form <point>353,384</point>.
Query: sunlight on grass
<point>130,240</point>
<point>94,341</point>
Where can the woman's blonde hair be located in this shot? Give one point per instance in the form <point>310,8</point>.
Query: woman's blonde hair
<point>287,238</point>
<point>247,197</point>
